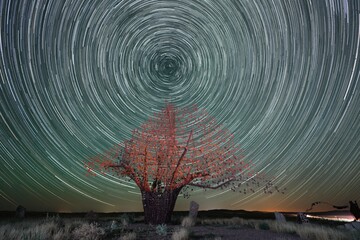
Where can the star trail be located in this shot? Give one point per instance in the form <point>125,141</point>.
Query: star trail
<point>76,77</point>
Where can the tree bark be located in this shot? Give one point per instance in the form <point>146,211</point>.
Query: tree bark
<point>158,207</point>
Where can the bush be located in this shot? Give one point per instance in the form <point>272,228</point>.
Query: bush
<point>181,234</point>
<point>60,235</point>
<point>88,231</point>
<point>161,230</point>
<point>129,236</point>
<point>264,226</point>
<point>32,230</point>
<point>128,218</point>
<point>187,222</point>
<point>114,225</point>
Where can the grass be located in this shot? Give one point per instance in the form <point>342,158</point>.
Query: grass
<point>52,229</point>
<point>120,228</point>
<point>180,234</point>
<point>305,231</point>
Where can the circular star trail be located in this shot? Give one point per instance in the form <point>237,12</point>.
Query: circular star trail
<point>77,76</point>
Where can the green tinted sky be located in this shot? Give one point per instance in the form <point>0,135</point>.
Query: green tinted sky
<point>77,76</point>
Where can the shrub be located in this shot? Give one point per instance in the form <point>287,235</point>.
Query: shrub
<point>128,218</point>
<point>70,226</point>
<point>125,220</point>
<point>236,221</point>
<point>187,222</point>
<point>129,236</point>
<point>223,221</point>
<point>114,225</point>
<point>38,229</point>
<point>161,230</point>
<point>88,231</point>
<point>60,235</point>
<point>181,234</point>
<point>264,226</point>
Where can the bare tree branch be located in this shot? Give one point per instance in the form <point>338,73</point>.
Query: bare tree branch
<point>210,186</point>
<point>181,157</point>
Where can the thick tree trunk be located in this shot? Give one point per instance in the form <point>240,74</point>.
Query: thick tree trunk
<point>158,207</point>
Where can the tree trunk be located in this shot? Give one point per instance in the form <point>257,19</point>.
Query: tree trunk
<point>158,207</point>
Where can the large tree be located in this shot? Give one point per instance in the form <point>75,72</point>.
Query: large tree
<point>173,151</point>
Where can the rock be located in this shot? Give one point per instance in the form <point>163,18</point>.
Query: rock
<point>279,217</point>
<point>20,212</point>
<point>194,208</point>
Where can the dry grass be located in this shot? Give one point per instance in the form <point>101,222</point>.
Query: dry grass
<point>180,234</point>
<point>129,236</point>
<point>223,221</point>
<point>88,232</point>
<point>308,231</point>
<point>55,228</point>
<point>188,222</point>
<point>305,231</point>
<point>51,229</point>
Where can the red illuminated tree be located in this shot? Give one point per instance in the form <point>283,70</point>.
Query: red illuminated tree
<point>175,150</point>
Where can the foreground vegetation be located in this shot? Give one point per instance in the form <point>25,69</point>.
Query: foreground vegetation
<point>305,231</point>
<point>127,227</point>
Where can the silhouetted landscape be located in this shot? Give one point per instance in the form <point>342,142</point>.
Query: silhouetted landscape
<point>211,224</point>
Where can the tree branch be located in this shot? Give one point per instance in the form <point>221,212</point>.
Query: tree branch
<point>181,158</point>
<point>212,187</point>
<point>189,178</point>
<point>145,173</point>
<point>131,171</point>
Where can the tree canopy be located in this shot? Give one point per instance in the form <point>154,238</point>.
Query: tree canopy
<point>177,148</point>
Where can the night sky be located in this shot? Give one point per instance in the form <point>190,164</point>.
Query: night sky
<point>77,76</point>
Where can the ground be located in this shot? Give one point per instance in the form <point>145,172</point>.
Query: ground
<point>213,232</point>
